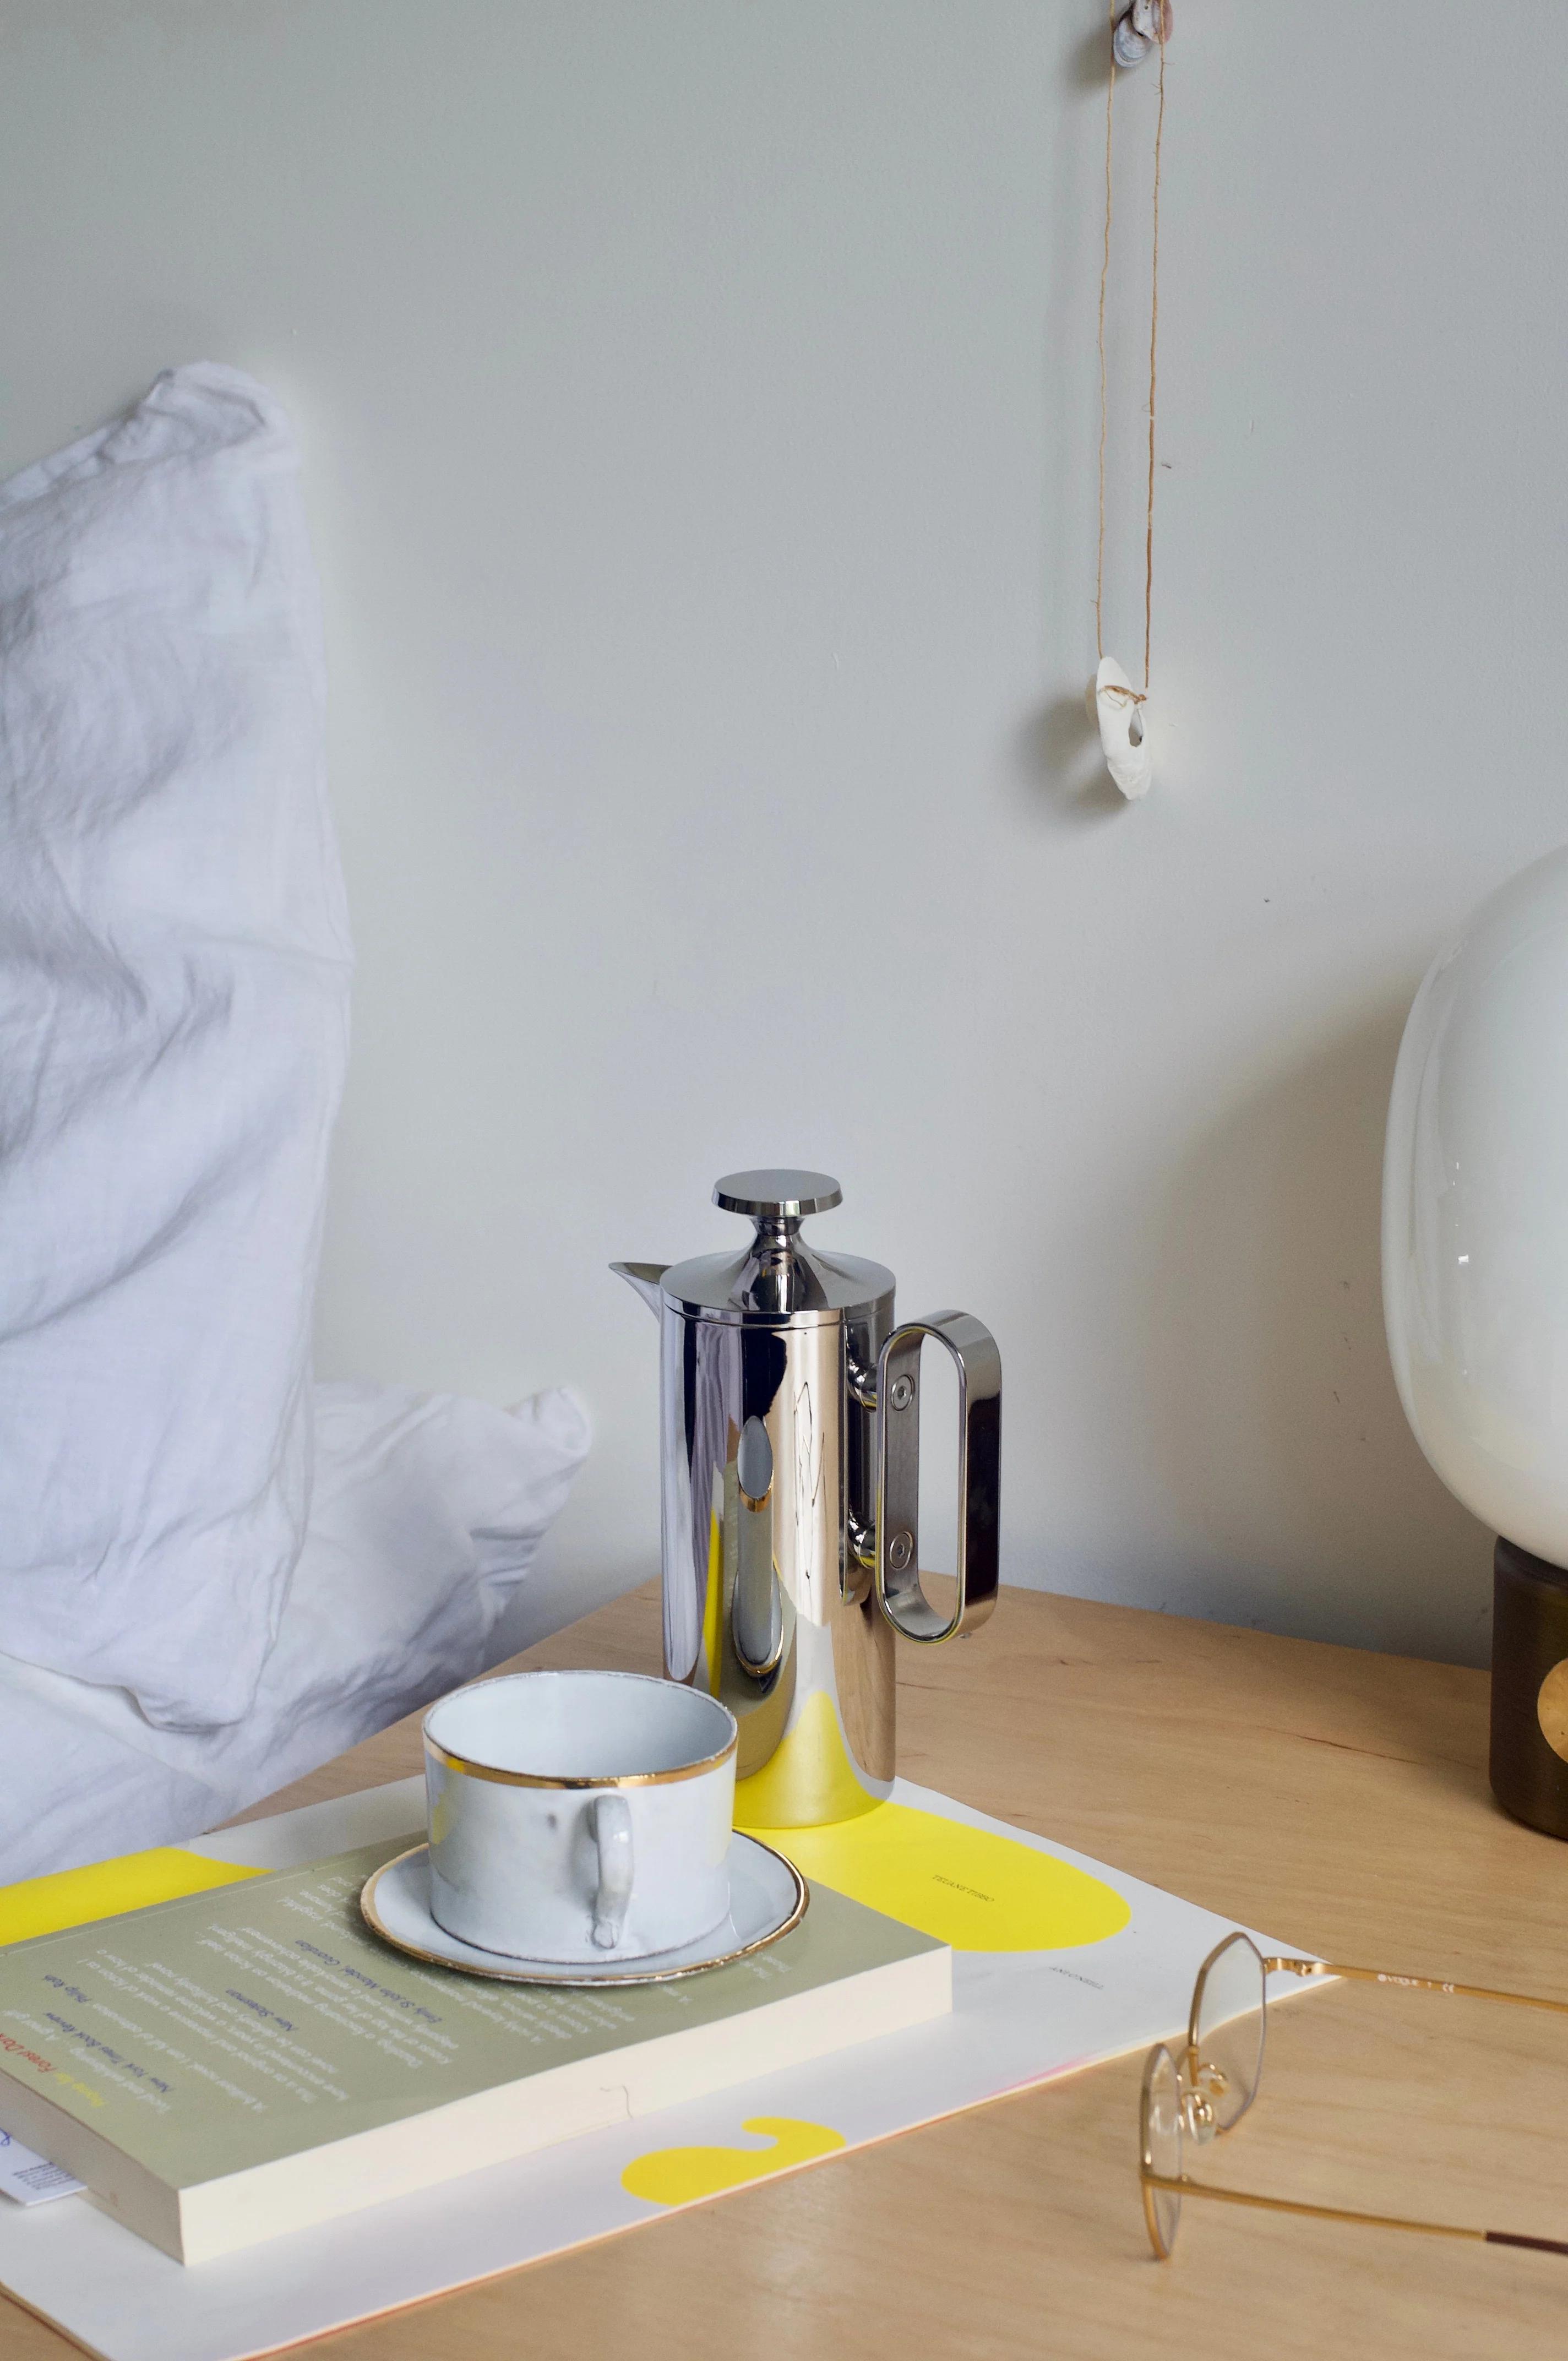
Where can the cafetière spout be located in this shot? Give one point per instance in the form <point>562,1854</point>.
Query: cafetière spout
<point>644,1276</point>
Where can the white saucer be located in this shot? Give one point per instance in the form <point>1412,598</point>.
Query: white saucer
<point>767,1896</point>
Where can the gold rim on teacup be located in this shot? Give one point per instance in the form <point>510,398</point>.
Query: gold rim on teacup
<point>471,1769</point>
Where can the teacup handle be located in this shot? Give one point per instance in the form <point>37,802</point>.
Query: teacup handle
<point>612,1834</point>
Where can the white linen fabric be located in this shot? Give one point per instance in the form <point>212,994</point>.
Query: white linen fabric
<point>175,1641</point>
<point>427,1513</point>
<point>174,974</point>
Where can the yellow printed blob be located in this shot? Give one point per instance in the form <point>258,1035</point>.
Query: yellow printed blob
<point>675,2176</point>
<point>807,1779</point>
<point>966,1887</point>
<point>73,1897</point>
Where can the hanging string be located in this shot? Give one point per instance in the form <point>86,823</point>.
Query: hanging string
<point>1154,341</point>
<point>1131,696</point>
<point>1104,277</point>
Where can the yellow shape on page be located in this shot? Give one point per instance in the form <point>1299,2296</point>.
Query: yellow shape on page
<point>968,1888</point>
<point>677,2176</point>
<point>107,1889</point>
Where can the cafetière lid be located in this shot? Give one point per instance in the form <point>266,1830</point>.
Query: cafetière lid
<point>777,1275</point>
<point>777,1193</point>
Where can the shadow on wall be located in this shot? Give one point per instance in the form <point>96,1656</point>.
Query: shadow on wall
<point>1272,1407</point>
<point>1059,756</point>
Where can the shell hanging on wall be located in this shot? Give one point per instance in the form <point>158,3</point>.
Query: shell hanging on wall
<point>1136,32</point>
<point>1117,709</point>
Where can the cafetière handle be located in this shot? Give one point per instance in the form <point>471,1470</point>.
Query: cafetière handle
<point>973,1348</point>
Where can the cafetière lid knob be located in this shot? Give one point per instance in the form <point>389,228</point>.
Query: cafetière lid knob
<point>779,1194</point>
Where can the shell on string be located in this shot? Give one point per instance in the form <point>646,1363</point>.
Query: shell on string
<point>1136,32</point>
<point>1117,708</point>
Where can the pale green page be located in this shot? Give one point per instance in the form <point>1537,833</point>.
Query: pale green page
<point>230,2028</point>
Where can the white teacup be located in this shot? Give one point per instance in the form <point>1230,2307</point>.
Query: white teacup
<point>580,1815</point>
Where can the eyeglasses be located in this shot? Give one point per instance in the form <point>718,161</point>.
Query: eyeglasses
<point>1208,2085</point>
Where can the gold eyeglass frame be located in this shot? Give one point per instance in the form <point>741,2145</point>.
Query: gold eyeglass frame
<point>1193,2077</point>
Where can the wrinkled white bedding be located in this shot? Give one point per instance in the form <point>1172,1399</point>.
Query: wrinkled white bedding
<point>427,1513</point>
<point>175,978</point>
<point>185,1623</point>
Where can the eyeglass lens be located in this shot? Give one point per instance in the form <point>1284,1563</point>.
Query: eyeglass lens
<point>1227,2031</point>
<point>1162,2147</point>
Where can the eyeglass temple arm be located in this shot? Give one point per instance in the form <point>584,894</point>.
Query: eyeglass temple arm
<point>1182,2187</point>
<point>1411,1983</point>
<point>1307,1968</point>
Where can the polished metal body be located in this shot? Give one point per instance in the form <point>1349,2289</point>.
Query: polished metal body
<point>789,1422</point>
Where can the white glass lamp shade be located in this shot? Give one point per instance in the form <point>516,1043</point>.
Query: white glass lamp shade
<point>1476,1212</point>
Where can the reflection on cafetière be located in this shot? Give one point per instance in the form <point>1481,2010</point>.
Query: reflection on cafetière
<point>790,1459</point>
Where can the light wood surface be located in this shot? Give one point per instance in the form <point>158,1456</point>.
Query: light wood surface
<point>1335,1799</point>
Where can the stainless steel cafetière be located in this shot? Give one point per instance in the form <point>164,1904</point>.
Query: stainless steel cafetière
<point>790,1455</point>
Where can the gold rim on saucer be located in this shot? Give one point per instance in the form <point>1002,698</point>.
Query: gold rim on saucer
<point>542,1971</point>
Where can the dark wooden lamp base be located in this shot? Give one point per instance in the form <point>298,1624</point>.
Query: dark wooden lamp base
<point>1530,1688</point>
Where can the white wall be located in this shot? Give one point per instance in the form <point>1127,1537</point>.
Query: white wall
<point>699,401</point>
